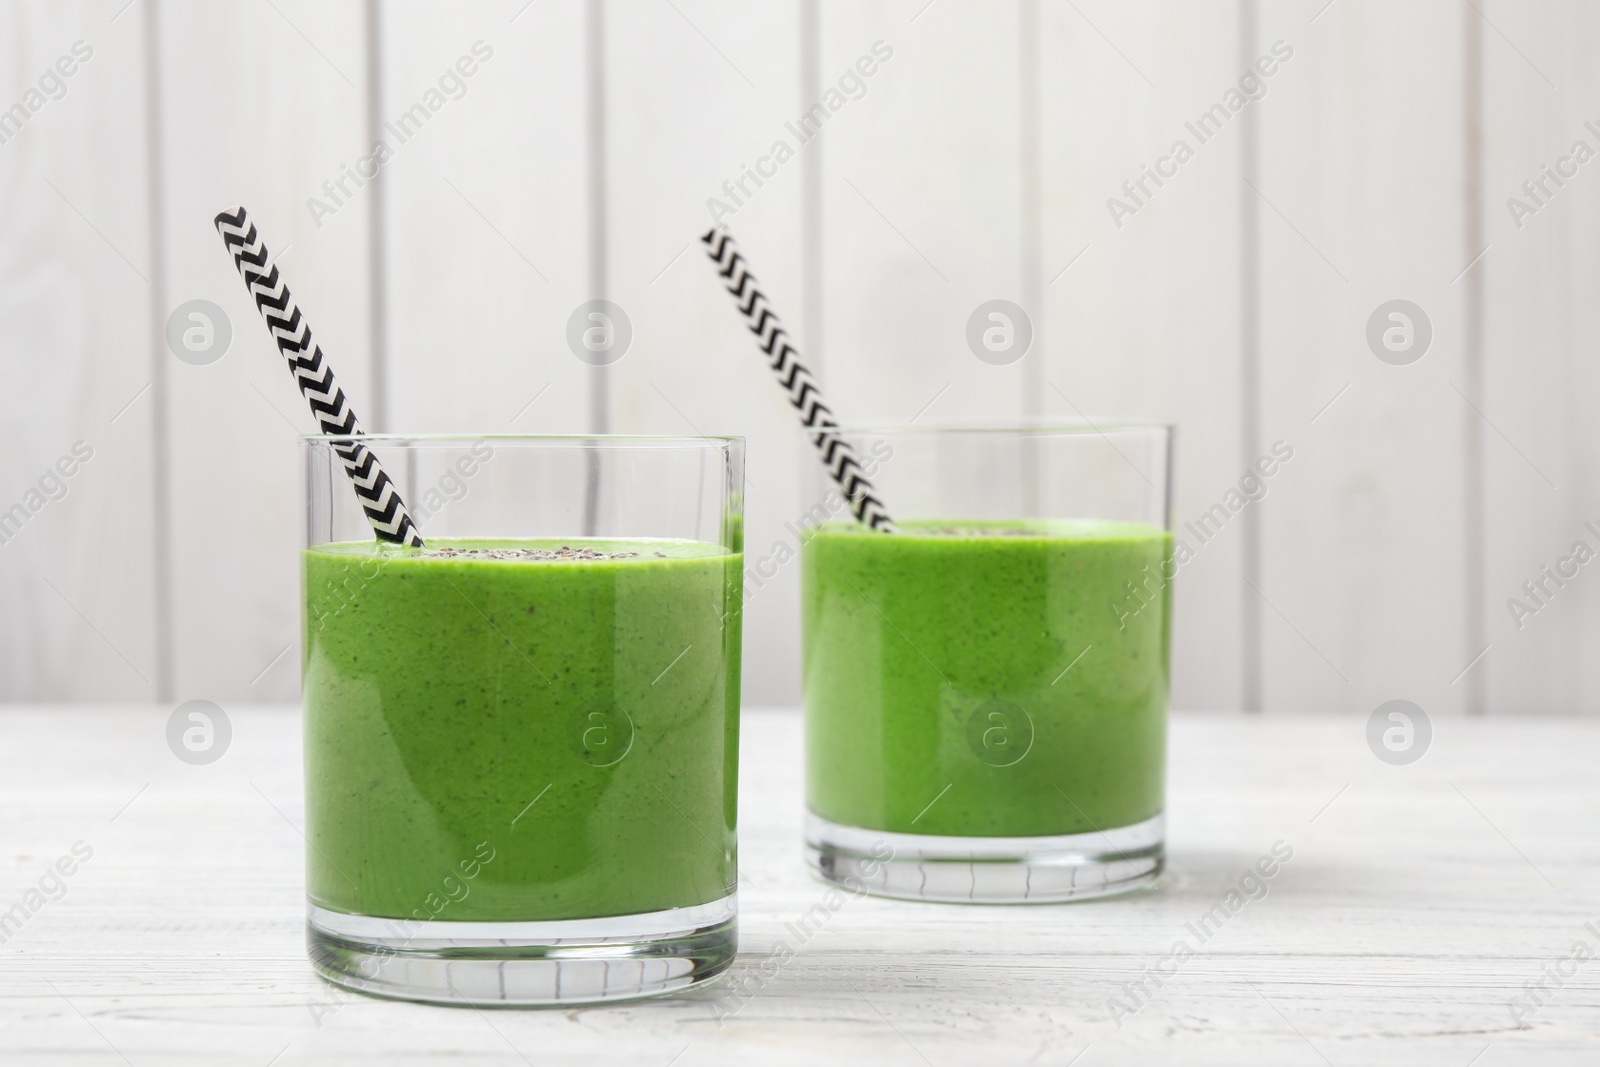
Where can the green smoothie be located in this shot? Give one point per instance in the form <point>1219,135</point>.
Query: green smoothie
<point>985,679</point>
<point>520,730</point>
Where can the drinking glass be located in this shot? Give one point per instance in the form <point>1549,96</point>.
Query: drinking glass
<point>521,740</point>
<point>986,687</point>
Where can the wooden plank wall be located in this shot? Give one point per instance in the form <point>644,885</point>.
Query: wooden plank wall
<point>975,162</point>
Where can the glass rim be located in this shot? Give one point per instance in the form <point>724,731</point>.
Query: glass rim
<point>625,440</point>
<point>1024,425</point>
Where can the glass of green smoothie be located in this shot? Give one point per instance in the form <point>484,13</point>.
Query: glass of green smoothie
<point>986,686</point>
<point>521,739</point>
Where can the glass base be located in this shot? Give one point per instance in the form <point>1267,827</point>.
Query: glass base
<point>525,964</point>
<point>988,870</point>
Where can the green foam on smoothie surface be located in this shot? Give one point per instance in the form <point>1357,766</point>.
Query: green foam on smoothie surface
<point>448,689</point>
<point>986,678</point>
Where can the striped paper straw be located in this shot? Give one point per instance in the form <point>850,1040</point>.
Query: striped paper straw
<point>837,455</point>
<point>385,511</point>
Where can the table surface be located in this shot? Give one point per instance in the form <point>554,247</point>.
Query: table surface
<point>1419,903</point>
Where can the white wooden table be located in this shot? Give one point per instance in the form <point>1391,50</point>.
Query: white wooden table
<point>1418,902</point>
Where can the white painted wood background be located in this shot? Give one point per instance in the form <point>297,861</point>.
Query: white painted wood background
<point>1377,166</point>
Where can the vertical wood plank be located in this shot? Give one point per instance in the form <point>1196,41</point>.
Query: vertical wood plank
<point>486,220</point>
<point>697,96</point>
<point>1539,437</point>
<point>74,308</point>
<point>1361,182</point>
<point>263,127</point>
<point>921,202</point>
<point>1143,316</point>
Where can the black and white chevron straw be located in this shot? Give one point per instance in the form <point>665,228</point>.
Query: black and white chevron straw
<point>379,499</point>
<point>773,340</point>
